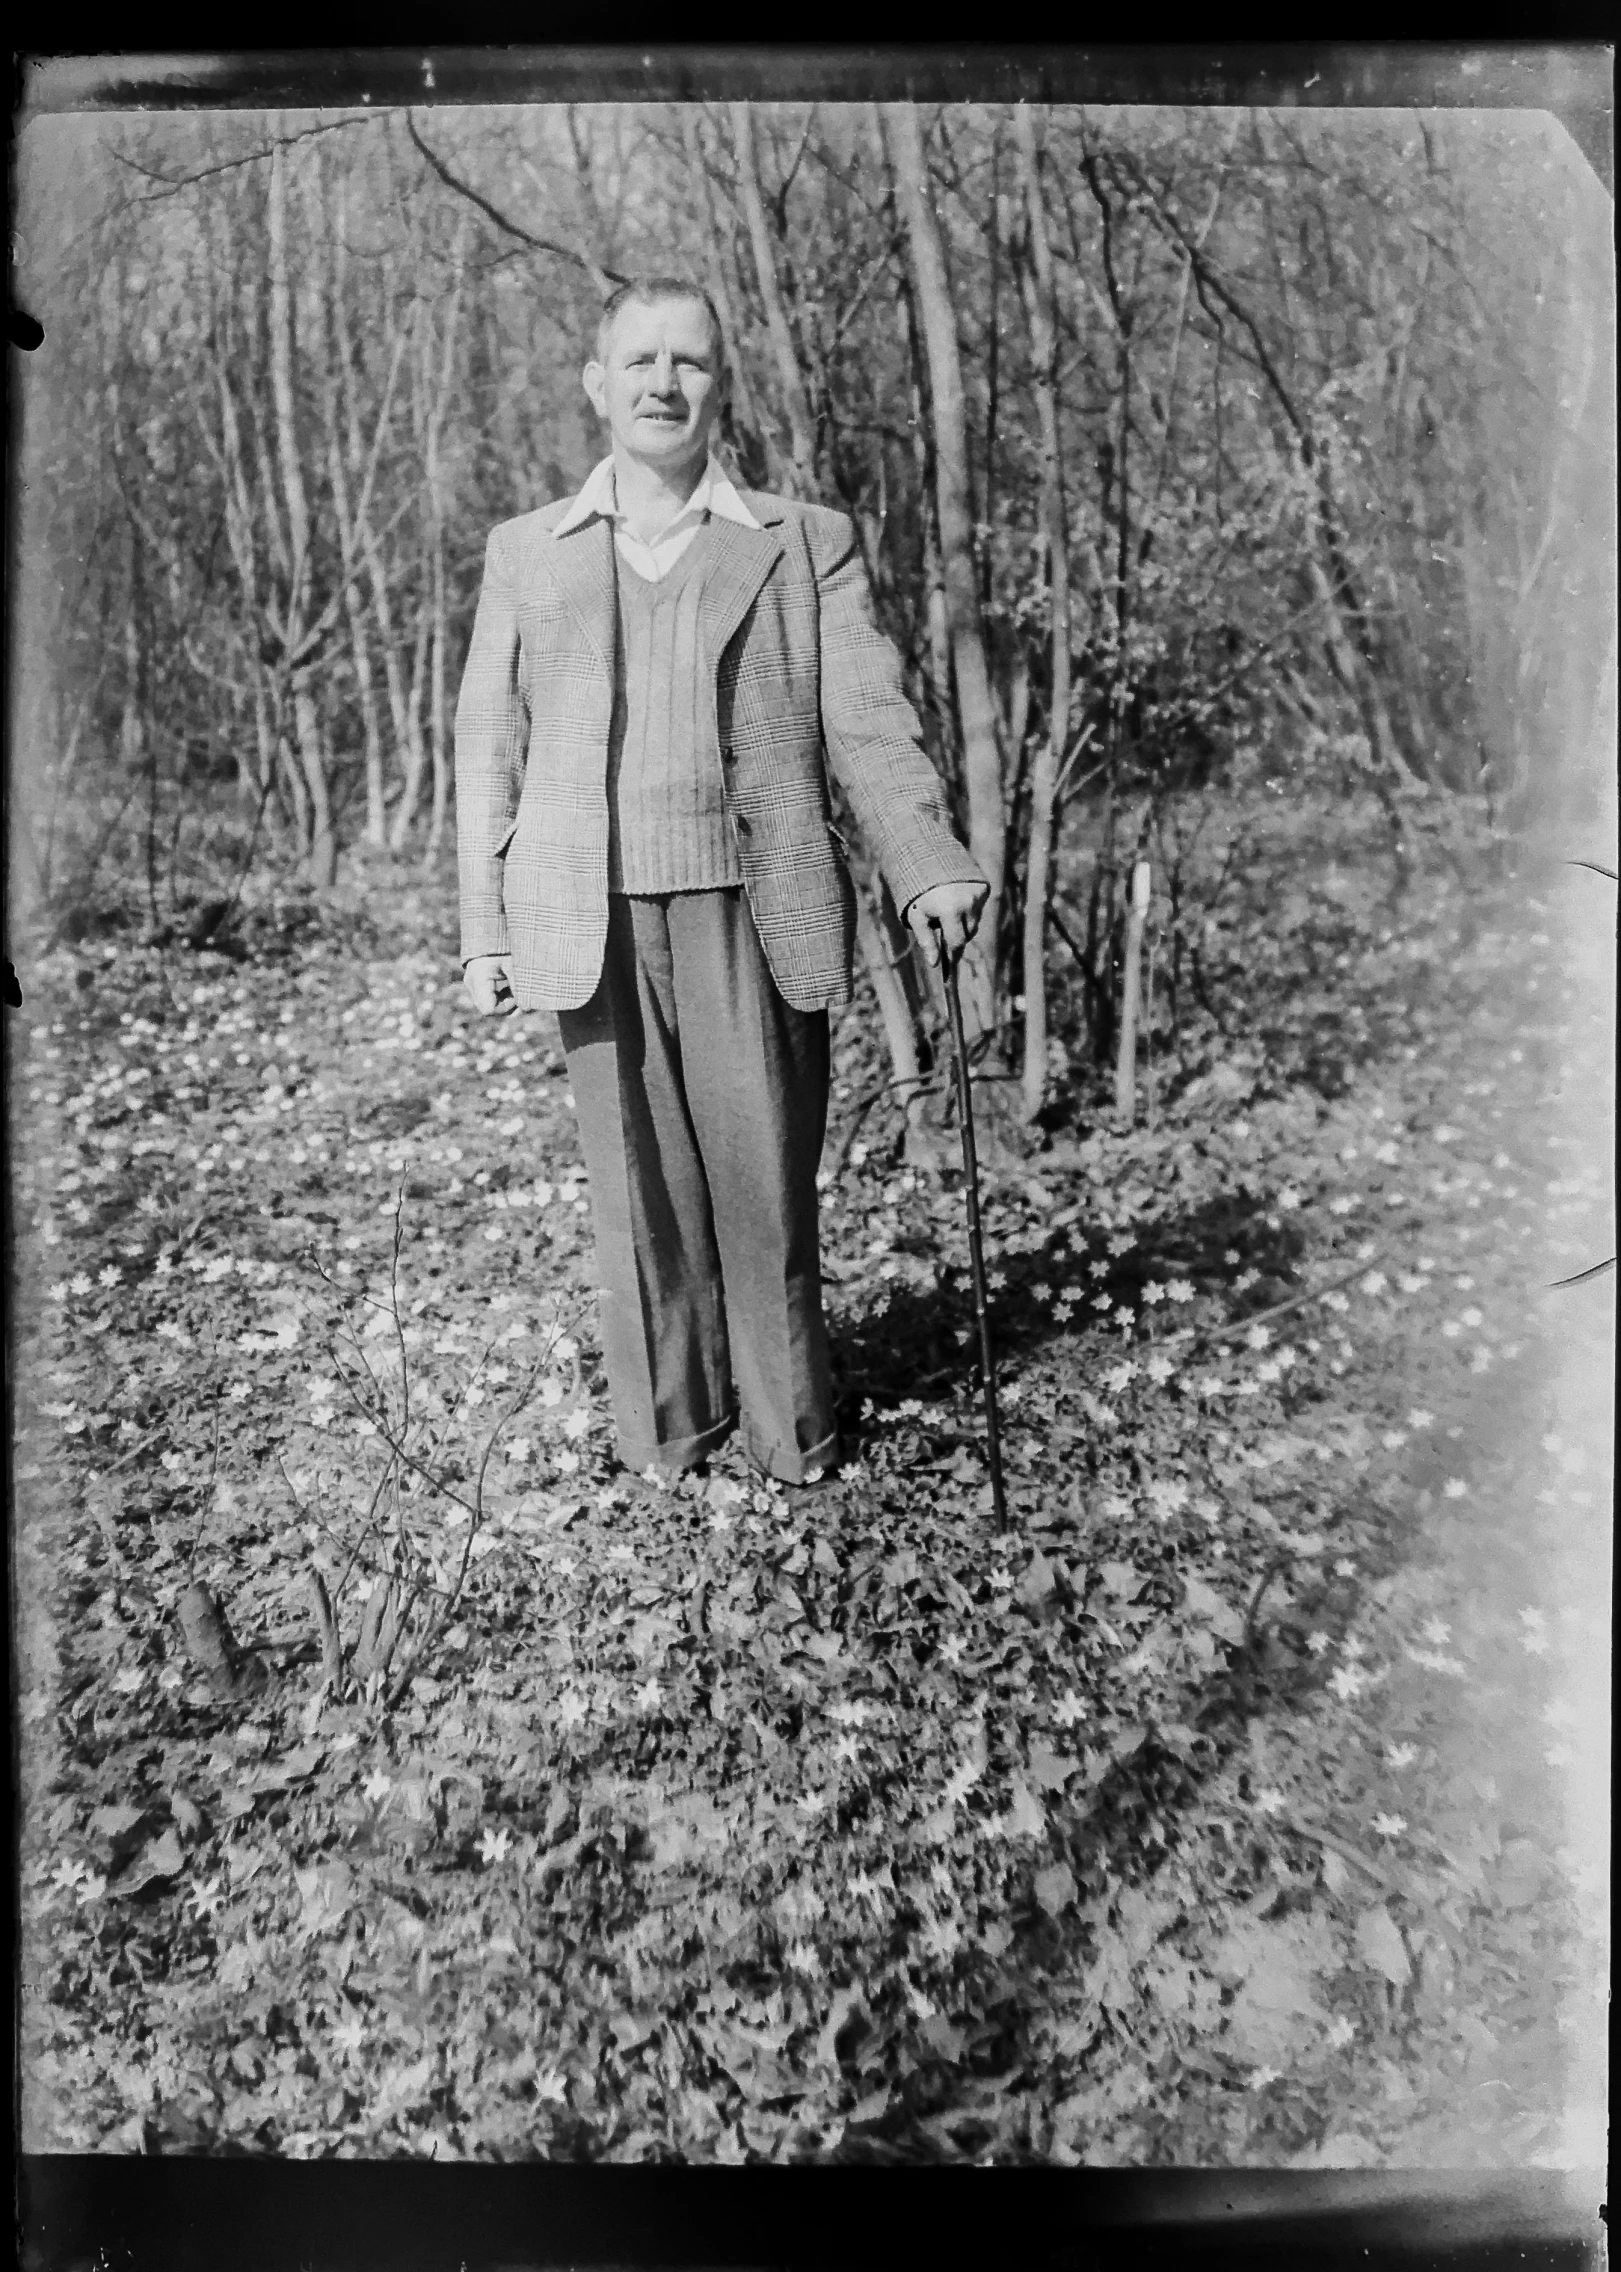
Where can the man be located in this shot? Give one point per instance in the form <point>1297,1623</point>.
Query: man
<point>660,668</point>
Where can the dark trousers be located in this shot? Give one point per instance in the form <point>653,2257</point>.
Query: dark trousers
<point>702,1101</point>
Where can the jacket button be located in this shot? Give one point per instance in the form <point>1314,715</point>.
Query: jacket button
<point>741,822</point>
<point>726,754</point>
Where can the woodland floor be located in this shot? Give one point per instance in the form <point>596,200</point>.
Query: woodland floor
<point>1244,1804</point>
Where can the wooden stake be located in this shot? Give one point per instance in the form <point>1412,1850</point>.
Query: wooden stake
<point>1125,1072</point>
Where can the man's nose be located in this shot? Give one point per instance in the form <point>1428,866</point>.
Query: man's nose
<point>663,370</point>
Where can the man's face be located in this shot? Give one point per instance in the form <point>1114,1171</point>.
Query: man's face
<point>659,388</point>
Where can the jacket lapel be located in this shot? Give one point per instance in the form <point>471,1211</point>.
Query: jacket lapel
<point>581,564</point>
<point>740,559</point>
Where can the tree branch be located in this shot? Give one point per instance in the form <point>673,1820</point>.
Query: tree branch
<point>501,220</point>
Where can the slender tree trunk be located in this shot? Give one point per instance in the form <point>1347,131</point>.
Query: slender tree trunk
<point>370,547</point>
<point>264,741</point>
<point>438,511</point>
<point>790,379</point>
<point>742,386</point>
<point>1352,648</point>
<point>438,722</point>
<point>354,608</point>
<point>416,754</point>
<point>371,724</point>
<point>137,745</point>
<point>894,1004</point>
<point>329,340</point>
<point>993,352</point>
<point>416,748</point>
<point>1125,1075</point>
<point>982,765</point>
<point>1040,305</point>
<point>376,823</point>
<point>323,841</point>
<point>294,781</point>
<point>323,851</point>
<point>934,582</point>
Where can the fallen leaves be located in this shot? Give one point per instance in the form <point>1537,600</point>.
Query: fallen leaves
<point>1380,1945</point>
<point>326,1892</point>
<point>1055,1887</point>
<point>716,1830</point>
<point>1276,1969</point>
<point>159,1859</point>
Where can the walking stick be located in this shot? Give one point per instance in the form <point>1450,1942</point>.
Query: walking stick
<point>976,1251</point>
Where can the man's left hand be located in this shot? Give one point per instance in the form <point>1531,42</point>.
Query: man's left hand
<point>955,908</point>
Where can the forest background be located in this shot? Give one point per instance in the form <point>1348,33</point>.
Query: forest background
<point>1171,439</point>
<point>1237,487</point>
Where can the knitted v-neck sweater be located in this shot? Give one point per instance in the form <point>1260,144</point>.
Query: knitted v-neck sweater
<point>667,825</point>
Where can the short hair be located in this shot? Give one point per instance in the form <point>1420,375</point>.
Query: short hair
<point>646,292</point>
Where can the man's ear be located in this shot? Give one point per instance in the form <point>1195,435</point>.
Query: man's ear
<point>592,379</point>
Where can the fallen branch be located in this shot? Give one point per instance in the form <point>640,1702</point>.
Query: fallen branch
<point>1274,1569</point>
<point>1280,1309</point>
<point>1347,1852</point>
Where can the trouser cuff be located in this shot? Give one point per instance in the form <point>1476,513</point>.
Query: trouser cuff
<point>789,1465</point>
<point>680,1452</point>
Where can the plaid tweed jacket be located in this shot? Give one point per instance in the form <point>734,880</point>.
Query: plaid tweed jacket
<point>803,676</point>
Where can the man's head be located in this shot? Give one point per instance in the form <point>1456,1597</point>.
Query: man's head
<point>656,375</point>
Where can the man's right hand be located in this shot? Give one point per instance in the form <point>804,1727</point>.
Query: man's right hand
<point>486,980</point>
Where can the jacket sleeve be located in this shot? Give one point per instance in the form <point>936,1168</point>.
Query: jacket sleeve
<point>492,740</point>
<point>873,738</point>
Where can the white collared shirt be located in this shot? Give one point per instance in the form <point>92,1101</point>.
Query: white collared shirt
<point>598,496</point>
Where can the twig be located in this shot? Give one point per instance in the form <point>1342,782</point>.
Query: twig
<point>398,1452</point>
<point>492,212</point>
<point>441,1617</point>
<point>365,1528</point>
<point>1062,928</point>
<point>134,1452</point>
<point>404,1578</point>
<point>1582,1276</point>
<point>1347,1852</point>
<point>919,1087</point>
<point>1068,788</point>
<point>1274,1568</point>
<point>1278,1309</point>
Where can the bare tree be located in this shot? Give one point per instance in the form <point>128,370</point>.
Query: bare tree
<point>785,355</point>
<point>301,637</point>
<point>976,709</point>
<point>1040,302</point>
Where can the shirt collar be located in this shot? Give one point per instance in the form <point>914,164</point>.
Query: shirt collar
<point>715,494</point>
